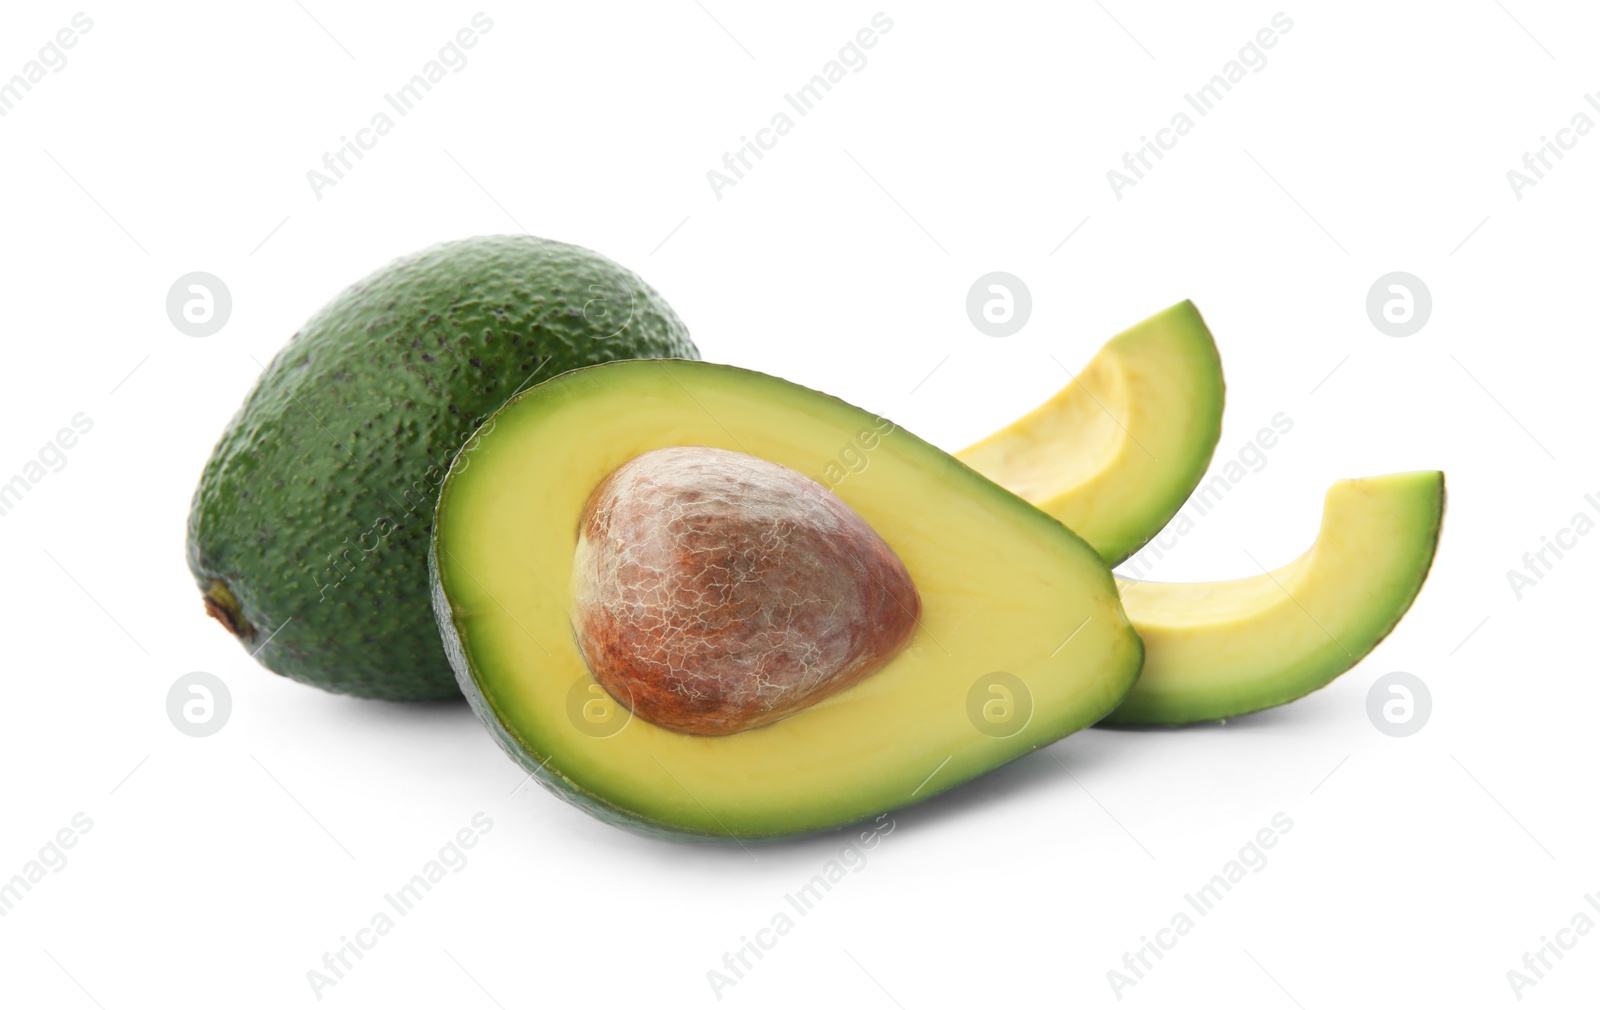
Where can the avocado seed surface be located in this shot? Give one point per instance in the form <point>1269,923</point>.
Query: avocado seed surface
<point>715,592</point>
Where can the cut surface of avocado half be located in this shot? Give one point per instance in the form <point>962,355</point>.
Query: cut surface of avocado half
<point>1120,448</point>
<point>1214,650</point>
<point>1021,638</point>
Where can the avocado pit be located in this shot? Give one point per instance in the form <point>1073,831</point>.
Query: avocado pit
<point>715,592</point>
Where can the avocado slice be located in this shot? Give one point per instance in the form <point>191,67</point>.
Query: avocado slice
<point>309,529</point>
<point>1021,638</point>
<point>1214,650</point>
<point>1116,453</point>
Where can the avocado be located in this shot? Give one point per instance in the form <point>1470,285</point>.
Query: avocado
<point>1214,650</point>
<point>309,530</point>
<point>1116,453</point>
<point>650,489</point>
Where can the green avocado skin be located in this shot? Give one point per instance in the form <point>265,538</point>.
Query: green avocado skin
<point>308,535</point>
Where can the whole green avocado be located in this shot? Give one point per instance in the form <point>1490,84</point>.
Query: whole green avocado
<point>308,535</point>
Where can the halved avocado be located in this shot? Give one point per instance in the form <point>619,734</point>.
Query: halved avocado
<point>1214,650</point>
<point>1021,639</point>
<point>1118,451</point>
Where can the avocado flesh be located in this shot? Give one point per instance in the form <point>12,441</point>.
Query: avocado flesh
<point>1004,588</point>
<point>1118,451</point>
<point>309,529</point>
<point>1214,650</point>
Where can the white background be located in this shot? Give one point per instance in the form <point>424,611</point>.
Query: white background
<point>219,870</point>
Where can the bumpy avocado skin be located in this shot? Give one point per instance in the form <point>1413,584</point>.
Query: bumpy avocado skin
<point>308,535</point>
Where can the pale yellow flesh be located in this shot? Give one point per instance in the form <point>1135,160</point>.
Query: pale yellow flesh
<point>1219,649</point>
<point>1116,452</point>
<point>1003,588</point>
